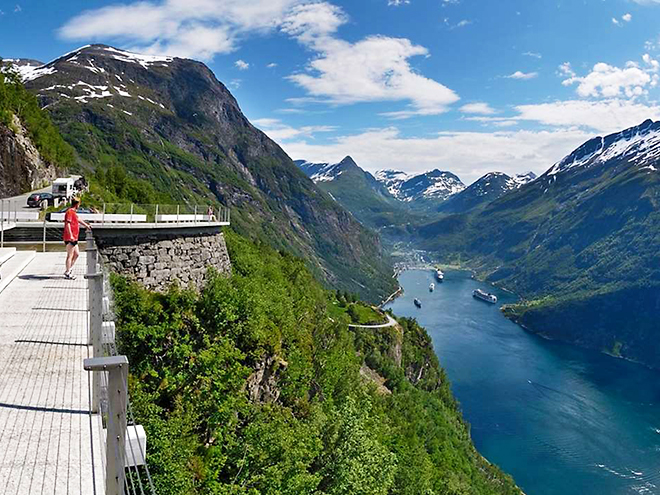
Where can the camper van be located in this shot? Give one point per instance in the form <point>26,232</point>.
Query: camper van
<point>64,188</point>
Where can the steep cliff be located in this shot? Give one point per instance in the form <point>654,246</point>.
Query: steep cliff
<point>22,168</point>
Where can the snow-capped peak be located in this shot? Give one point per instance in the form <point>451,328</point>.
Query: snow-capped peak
<point>636,145</point>
<point>435,184</point>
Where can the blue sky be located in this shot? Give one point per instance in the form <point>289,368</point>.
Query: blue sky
<point>462,85</point>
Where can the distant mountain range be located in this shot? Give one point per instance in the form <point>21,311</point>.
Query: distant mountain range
<point>171,123</point>
<point>391,192</point>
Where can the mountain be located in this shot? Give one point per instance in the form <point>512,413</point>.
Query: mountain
<point>485,190</point>
<point>580,244</point>
<point>423,190</point>
<point>357,191</point>
<point>170,123</point>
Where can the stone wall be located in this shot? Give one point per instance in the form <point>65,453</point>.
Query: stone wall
<point>158,257</point>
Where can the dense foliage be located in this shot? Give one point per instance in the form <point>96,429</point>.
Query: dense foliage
<point>16,100</point>
<point>250,388</point>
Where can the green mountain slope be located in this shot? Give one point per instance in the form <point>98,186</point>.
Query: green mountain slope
<point>359,192</point>
<point>251,388</point>
<point>171,123</point>
<point>579,244</point>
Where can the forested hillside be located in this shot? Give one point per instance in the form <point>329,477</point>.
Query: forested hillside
<point>250,388</point>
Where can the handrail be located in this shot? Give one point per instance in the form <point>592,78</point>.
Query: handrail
<point>123,213</point>
<point>124,437</point>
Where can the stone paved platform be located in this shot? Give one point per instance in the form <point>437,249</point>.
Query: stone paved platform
<point>49,443</point>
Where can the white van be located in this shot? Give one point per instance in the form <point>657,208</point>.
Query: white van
<point>63,188</point>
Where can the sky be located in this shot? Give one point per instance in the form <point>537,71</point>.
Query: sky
<point>469,86</point>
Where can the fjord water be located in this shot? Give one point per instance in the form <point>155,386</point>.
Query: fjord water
<point>559,419</point>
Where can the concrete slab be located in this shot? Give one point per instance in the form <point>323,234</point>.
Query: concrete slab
<point>13,267</point>
<point>49,441</point>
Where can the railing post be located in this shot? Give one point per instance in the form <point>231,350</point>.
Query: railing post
<point>131,219</point>
<point>177,214</point>
<point>95,283</point>
<point>2,223</point>
<point>156,216</point>
<point>44,235</point>
<point>103,216</point>
<point>117,368</point>
<point>195,214</point>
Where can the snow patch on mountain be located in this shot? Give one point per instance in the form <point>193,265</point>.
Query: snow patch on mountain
<point>634,145</point>
<point>429,185</point>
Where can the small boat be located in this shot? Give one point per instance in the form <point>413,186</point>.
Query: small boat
<point>439,276</point>
<point>418,303</point>
<point>484,296</point>
<point>431,287</point>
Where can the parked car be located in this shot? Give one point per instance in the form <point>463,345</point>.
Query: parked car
<point>63,210</point>
<point>40,200</point>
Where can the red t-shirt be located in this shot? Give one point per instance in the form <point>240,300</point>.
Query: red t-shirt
<point>71,218</point>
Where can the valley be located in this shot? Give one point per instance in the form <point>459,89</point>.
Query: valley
<point>578,243</point>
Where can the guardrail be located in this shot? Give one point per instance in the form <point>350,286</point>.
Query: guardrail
<point>114,214</point>
<point>124,462</point>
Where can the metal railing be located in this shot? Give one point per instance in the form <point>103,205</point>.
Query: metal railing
<point>13,214</point>
<point>124,460</point>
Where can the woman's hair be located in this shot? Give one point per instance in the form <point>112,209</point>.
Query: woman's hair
<point>75,202</point>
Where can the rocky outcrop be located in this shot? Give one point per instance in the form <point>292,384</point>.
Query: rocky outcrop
<point>21,167</point>
<point>262,384</point>
<point>156,259</point>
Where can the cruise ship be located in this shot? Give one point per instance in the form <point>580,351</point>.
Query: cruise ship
<point>439,276</point>
<point>484,296</point>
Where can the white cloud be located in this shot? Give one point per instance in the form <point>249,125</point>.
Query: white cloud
<point>605,116</point>
<point>478,108</point>
<point>272,65</point>
<point>615,21</point>
<point>242,65</point>
<point>468,154</point>
<point>375,68</point>
<point>463,23</point>
<point>17,8</point>
<point>396,3</point>
<point>647,2</point>
<point>566,70</point>
<point>522,75</point>
<point>279,131</point>
<point>186,28</point>
<point>627,17</point>
<point>533,54</point>
<point>607,81</point>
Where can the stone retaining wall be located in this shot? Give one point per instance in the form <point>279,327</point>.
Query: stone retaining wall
<point>157,258</point>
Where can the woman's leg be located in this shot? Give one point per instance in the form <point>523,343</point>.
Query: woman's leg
<point>69,257</point>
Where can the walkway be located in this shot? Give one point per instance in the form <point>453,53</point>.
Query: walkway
<point>45,427</point>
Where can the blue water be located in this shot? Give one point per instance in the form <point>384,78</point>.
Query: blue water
<point>559,419</point>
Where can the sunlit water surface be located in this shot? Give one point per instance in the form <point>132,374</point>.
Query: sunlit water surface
<point>561,420</point>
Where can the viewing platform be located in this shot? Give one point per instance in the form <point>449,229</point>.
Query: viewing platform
<point>50,440</point>
<point>66,424</point>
